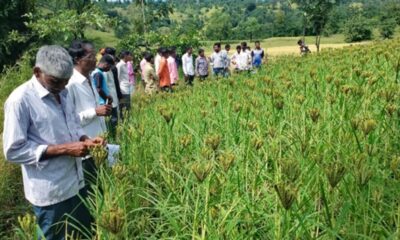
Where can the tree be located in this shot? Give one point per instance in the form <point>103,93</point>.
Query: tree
<point>391,9</point>
<point>12,18</point>
<point>153,12</point>
<point>387,27</point>
<point>251,27</point>
<point>137,43</point>
<point>251,7</point>
<point>317,13</point>
<point>142,4</point>
<point>357,29</point>
<point>219,26</point>
<point>68,24</point>
<point>59,5</point>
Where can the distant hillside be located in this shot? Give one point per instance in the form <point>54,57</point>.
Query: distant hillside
<point>247,19</point>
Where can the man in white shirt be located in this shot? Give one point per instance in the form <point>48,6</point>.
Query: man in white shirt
<point>188,67</point>
<point>246,60</point>
<point>236,59</point>
<point>241,60</point>
<point>114,90</point>
<point>218,60</point>
<point>123,76</point>
<point>42,133</point>
<point>83,95</point>
<point>82,91</point>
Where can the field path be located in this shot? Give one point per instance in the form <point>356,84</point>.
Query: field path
<point>289,50</point>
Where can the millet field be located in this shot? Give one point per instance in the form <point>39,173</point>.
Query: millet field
<point>307,148</point>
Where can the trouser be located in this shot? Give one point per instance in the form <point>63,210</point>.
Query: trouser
<point>219,71</point>
<point>113,121</point>
<point>57,220</point>
<point>189,79</point>
<point>257,65</point>
<point>166,89</point>
<point>202,78</point>
<point>227,72</point>
<point>90,175</point>
<point>125,103</point>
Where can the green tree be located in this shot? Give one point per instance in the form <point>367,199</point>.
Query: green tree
<point>57,6</point>
<point>392,9</point>
<point>357,29</point>
<point>67,25</point>
<point>251,27</point>
<point>317,13</point>
<point>387,27</point>
<point>142,4</point>
<point>137,43</point>
<point>12,18</point>
<point>153,12</point>
<point>219,26</point>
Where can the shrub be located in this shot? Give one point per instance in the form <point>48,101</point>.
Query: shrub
<point>151,41</point>
<point>11,193</point>
<point>357,29</point>
<point>387,28</point>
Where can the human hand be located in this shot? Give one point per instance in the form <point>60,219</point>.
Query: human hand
<point>103,110</point>
<point>96,141</point>
<point>77,149</point>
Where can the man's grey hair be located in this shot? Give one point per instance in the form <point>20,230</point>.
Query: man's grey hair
<point>55,61</point>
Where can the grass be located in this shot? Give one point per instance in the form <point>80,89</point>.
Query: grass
<point>278,46</point>
<point>11,190</point>
<point>102,39</point>
<point>289,41</point>
<point>300,150</point>
<point>285,45</point>
<point>305,148</point>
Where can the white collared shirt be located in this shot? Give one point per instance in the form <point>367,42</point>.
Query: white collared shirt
<point>84,96</point>
<point>123,77</point>
<point>157,61</point>
<point>112,88</point>
<point>218,60</point>
<point>187,64</point>
<point>33,120</point>
<point>242,61</point>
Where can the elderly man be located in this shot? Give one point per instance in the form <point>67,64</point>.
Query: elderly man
<point>42,133</point>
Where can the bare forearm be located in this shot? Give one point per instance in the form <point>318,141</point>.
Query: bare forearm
<point>102,94</point>
<point>55,151</point>
<point>75,149</point>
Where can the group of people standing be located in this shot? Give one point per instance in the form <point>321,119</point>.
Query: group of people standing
<point>53,120</point>
<point>161,72</point>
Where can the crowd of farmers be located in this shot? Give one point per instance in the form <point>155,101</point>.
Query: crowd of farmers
<point>54,120</point>
<point>160,72</point>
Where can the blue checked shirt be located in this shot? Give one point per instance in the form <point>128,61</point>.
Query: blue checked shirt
<point>33,121</point>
